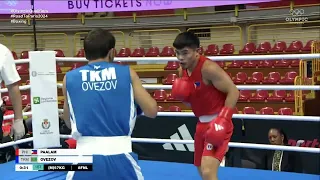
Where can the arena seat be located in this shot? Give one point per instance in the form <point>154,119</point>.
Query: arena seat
<point>279,47</point>
<point>240,78</point>
<point>249,110</point>
<point>295,63</point>
<point>22,69</point>
<point>266,64</point>
<point>236,64</point>
<point>59,53</point>
<point>290,97</point>
<point>172,65</point>
<point>289,78</point>
<point>170,79</point>
<point>260,95</point>
<point>14,54</point>
<point>272,78</point>
<point>244,95</point>
<point>167,51</point>
<point>153,52</point>
<point>81,53</point>
<point>250,64</point>
<point>25,99</point>
<point>295,46</point>
<point>212,50</point>
<point>256,78</point>
<point>124,52</point>
<point>277,96</point>
<point>307,47</point>
<point>285,111</point>
<point>27,82</point>
<point>6,99</point>
<point>72,143</point>
<point>249,48</point>
<point>76,65</point>
<point>220,63</point>
<point>263,47</point>
<point>160,109</point>
<point>24,55</point>
<point>267,111</point>
<point>227,49</point>
<point>282,63</point>
<point>174,109</point>
<point>58,69</point>
<point>160,95</point>
<point>138,52</point>
<point>170,98</point>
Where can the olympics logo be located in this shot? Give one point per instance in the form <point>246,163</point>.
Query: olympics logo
<point>297,12</point>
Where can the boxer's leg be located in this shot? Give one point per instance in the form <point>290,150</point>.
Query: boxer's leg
<point>212,157</point>
<point>199,144</point>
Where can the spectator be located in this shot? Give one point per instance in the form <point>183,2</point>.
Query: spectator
<point>281,160</point>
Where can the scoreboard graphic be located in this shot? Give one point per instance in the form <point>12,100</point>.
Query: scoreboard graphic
<point>52,160</point>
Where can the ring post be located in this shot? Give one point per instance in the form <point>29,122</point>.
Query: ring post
<point>43,81</point>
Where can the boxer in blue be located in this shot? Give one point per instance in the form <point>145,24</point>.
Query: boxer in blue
<point>102,100</point>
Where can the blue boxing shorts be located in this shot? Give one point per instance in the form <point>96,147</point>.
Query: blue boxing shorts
<point>112,159</point>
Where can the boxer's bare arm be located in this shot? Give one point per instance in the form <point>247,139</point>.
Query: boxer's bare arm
<point>222,81</point>
<point>142,97</point>
<point>66,111</point>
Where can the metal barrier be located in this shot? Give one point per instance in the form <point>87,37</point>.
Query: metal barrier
<point>287,32</point>
<point>154,37</point>
<point>3,40</point>
<point>298,99</point>
<point>45,41</point>
<point>219,35</point>
<point>79,36</point>
<point>315,48</point>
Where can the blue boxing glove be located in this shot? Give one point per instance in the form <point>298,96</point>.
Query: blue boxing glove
<point>139,110</point>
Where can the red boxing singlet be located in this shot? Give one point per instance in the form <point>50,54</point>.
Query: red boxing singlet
<point>206,100</point>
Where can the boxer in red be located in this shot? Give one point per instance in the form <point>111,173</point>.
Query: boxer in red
<point>212,95</point>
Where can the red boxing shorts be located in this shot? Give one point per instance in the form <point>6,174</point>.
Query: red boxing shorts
<point>202,148</point>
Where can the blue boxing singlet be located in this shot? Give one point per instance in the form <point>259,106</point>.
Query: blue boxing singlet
<point>103,112</point>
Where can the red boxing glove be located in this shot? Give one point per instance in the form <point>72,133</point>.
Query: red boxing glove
<point>182,88</point>
<point>219,127</point>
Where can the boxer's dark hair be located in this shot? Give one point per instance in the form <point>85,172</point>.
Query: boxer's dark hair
<point>98,43</point>
<point>186,39</point>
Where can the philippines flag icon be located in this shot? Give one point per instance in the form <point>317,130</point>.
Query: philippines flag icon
<point>34,152</point>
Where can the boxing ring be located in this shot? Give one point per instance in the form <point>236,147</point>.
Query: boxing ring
<point>154,170</point>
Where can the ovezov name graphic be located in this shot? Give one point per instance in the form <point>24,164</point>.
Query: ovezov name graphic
<point>99,80</point>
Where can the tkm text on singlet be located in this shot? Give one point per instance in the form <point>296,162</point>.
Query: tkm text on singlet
<point>99,80</point>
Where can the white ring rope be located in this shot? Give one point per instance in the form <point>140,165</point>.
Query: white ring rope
<point>235,116</point>
<point>241,87</point>
<point>25,87</point>
<point>176,141</point>
<point>214,58</point>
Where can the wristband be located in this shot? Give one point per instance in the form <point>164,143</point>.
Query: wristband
<point>226,113</point>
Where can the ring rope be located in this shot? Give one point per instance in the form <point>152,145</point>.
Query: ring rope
<point>215,58</point>
<point>235,116</point>
<point>240,87</point>
<point>162,141</point>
